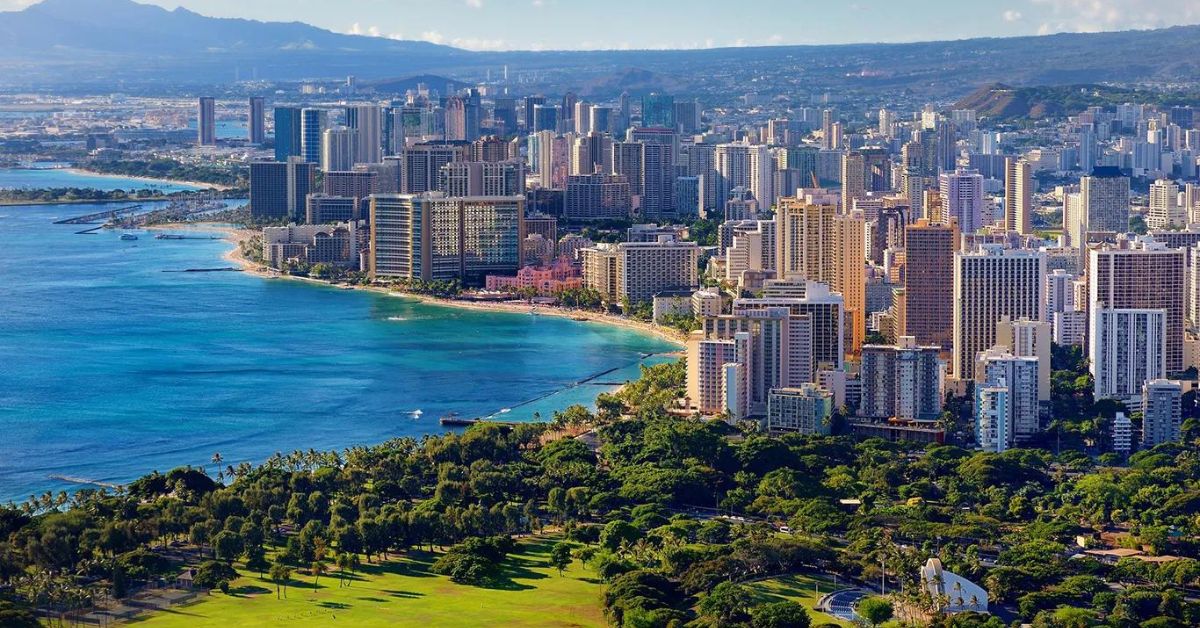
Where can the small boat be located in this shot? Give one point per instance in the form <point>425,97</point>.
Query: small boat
<point>128,236</point>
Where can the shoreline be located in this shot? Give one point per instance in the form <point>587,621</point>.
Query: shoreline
<point>108,175</point>
<point>235,237</point>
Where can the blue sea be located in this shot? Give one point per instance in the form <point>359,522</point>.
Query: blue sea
<point>113,365</point>
<point>38,176</point>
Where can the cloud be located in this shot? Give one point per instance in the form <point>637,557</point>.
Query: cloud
<point>475,4</point>
<point>1012,16</point>
<point>15,5</point>
<point>1086,16</point>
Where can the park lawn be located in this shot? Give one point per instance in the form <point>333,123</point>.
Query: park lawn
<point>799,588</point>
<point>404,592</point>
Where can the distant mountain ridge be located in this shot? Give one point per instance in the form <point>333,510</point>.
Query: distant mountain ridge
<point>1006,102</point>
<point>98,44</point>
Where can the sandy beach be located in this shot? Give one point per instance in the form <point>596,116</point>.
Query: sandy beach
<point>93,173</point>
<point>236,236</point>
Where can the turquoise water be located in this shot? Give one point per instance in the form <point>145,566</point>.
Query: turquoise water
<point>112,367</point>
<point>33,178</point>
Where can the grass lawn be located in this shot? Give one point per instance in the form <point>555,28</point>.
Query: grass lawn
<point>800,589</point>
<point>404,592</point>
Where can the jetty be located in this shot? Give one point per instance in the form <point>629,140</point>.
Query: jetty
<point>104,216</point>
<point>70,479</point>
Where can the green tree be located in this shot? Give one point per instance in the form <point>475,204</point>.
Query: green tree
<point>213,574</point>
<point>281,574</point>
<point>786,614</point>
<point>875,610</point>
<point>726,603</point>
<point>560,556</point>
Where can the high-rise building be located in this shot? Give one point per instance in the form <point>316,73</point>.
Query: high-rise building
<point>1006,401</point>
<point>853,183</point>
<point>597,196</point>
<point>313,123</point>
<point>287,133</point>
<point>422,165</point>
<point>367,123</point>
<point>257,124</point>
<point>324,209</point>
<point>815,243</point>
<point>962,198</point>
<point>1018,195</point>
<point>774,350</point>
<point>992,282</point>
<point>1162,412</point>
<point>929,283</point>
<point>483,178</point>
<point>825,309</point>
<point>1142,273</point>
<point>545,118</point>
<point>1103,204</point>
<point>1060,292</point>
<point>432,236</point>
<point>279,190</point>
<point>338,146</point>
<point>456,119</point>
<point>641,269</point>
<point>530,103</point>
<point>1165,210</point>
<point>658,110</point>
<point>1127,348</point>
<point>1028,339</point>
<point>902,380</point>
<point>206,121</point>
<point>802,410</point>
<point>504,116</point>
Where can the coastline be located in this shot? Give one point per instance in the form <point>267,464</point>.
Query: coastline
<point>236,236</point>
<point>106,175</point>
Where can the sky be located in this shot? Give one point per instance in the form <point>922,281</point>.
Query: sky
<point>606,24</point>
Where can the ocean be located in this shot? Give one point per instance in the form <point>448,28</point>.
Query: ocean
<point>113,364</point>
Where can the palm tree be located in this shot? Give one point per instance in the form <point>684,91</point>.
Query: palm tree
<point>318,568</point>
<point>216,460</point>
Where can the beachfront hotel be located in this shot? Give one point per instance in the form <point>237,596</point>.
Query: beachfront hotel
<point>432,236</point>
<point>639,270</point>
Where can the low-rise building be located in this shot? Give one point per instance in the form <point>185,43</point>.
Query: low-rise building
<point>805,409</point>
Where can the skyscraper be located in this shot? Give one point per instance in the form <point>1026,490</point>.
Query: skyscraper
<point>313,123</point>
<point>1165,210</point>
<point>1127,348</point>
<point>435,237</point>
<point>929,283</point>
<point>1142,274</point>
<point>257,124</point>
<point>990,283</point>
<point>278,190</point>
<point>1103,204</point>
<point>338,147</point>
<point>287,133</point>
<point>1018,196</point>
<point>902,380</point>
<point>456,119</point>
<point>815,243</point>
<point>206,121</point>
<point>1006,401</point>
<point>367,123</point>
<point>531,102</point>
<point>422,165</point>
<point>962,198</point>
<point>658,110</point>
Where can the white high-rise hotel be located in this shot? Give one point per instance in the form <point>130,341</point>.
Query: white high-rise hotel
<point>991,283</point>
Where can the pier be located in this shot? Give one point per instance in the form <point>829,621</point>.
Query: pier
<point>106,215</point>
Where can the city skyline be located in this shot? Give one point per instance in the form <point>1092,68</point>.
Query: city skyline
<point>481,25</point>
